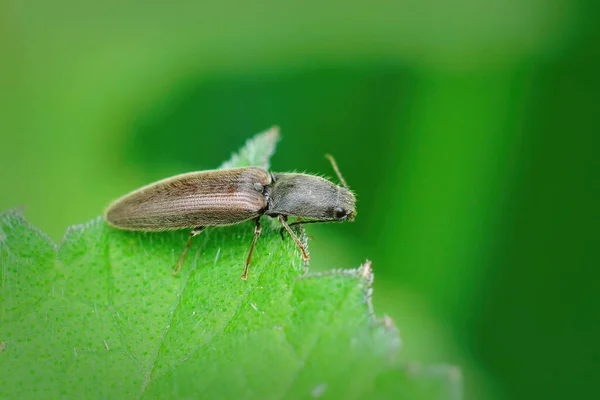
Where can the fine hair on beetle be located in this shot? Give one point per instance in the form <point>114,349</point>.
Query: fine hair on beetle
<point>222,197</point>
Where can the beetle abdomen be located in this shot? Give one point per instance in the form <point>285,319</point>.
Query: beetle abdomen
<point>207,198</point>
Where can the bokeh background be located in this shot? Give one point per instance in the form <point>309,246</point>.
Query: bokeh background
<point>469,131</point>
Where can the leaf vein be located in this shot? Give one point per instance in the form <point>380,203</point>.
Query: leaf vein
<point>148,374</point>
<point>219,332</point>
<point>310,351</point>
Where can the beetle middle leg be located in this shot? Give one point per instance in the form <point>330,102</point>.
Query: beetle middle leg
<point>194,232</point>
<point>302,248</point>
<point>257,231</point>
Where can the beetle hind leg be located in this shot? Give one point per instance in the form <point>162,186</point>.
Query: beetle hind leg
<point>194,232</point>
<point>257,231</point>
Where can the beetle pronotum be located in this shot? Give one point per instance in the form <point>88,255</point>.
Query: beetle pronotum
<point>229,196</point>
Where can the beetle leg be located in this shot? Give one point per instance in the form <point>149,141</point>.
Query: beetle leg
<point>298,221</point>
<point>281,233</point>
<point>193,233</point>
<point>305,256</point>
<point>257,231</point>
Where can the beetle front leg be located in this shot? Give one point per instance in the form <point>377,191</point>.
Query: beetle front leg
<point>302,248</point>
<point>194,232</point>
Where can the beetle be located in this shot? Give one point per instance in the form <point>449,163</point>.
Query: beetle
<point>230,196</point>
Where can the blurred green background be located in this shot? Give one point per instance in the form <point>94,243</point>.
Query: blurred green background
<point>469,132</point>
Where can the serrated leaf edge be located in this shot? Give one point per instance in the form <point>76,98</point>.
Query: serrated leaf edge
<point>17,212</point>
<point>366,277</point>
<point>270,136</point>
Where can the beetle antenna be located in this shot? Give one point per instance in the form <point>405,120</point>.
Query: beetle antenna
<point>336,169</point>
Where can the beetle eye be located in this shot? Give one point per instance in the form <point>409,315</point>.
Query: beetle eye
<point>339,213</point>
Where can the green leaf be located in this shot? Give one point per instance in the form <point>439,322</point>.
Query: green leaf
<point>101,316</point>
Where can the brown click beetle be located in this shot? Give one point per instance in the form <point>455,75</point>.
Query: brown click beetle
<point>229,196</point>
